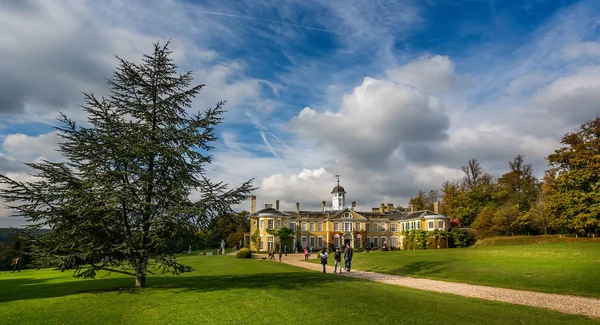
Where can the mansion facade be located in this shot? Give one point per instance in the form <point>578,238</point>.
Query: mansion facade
<point>338,225</point>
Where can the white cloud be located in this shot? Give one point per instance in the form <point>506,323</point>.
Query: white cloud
<point>433,74</point>
<point>26,148</point>
<point>581,49</point>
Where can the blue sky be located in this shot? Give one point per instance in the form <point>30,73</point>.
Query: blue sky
<point>393,95</point>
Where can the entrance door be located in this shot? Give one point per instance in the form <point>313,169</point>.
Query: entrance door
<point>347,242</point>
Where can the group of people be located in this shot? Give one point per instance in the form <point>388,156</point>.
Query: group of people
<point>337,257</point>
<point>281,253</point>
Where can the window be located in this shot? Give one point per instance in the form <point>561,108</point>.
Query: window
<point>270,223</point>
<point>303,225</point>
<point>375,242</point>
<point>393,227</point>
<point>357,242</point>
<point>383,241</point>
<point>293,226</point>
<point>285,223</point>
<point>270,242</point>
<point>340,202</point>
<point>255,222</point>
<point>383,227</point>
<point>304,241</point>
<point>336,242</point>
<point>417,225</point>
<point>312,241</point>
<point>261,245</point>
<point>375,226</point>
<point>279,223</point>
<point>430,225</point>
<point>347,215</point>
<point>320,226</point>
<point>394,242</point>
<point>368,226</point>
<point>347,226</point>
<point>368,241</point>
<point>441,225</point>
<point>312,226</point>
<point>336,226</point>
<point>320,242</point>
<point>262,224</point>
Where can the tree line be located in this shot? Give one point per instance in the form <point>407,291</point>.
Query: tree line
<point>566,200</point>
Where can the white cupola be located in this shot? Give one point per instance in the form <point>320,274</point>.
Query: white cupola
<point>338,196</point>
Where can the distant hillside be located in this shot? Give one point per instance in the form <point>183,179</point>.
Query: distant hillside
<point>531,240</point>
<point>6,233</point>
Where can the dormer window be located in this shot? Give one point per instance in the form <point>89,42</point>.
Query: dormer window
<point>347,215</point>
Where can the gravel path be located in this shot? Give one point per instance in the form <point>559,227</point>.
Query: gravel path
<point>563,303</point>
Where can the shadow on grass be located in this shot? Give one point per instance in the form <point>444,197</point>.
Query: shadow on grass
<point>27,288</point>
<point>421,268</point>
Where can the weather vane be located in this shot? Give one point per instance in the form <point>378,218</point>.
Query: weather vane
<point>338,179</point>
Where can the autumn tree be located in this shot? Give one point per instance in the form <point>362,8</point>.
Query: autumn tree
<point>576,193</point>
<point>121,201</point>
<point>419,202</point>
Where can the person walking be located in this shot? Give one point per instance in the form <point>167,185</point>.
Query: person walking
<point>16,264</point>
<point>306,254</point>
<point>324,256</point>
<point>348,257</point>
<point>280,253</point>
<point>337,257</point>
<point>285,250</point>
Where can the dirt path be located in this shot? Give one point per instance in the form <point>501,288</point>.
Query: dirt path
<point>563,303</point>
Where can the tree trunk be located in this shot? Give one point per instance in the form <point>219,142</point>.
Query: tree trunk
<point>140,280</point>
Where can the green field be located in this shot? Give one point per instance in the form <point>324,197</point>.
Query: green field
<point>226,290</point>
<point>556,268</point>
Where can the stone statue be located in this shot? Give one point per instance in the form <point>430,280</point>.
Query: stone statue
<point>223,247</point>
<point>240,244</point>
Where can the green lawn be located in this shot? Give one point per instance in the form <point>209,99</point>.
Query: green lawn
<point>226,290</point>
<point>557,268</point>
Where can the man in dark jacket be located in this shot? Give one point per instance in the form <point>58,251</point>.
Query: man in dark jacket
<point>337,257</point>
<point>324,256</point>
<point>348,257</point>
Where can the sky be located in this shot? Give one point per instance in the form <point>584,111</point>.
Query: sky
<point>393,96</point>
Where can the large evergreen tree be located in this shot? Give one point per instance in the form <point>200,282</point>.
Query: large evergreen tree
<point>121,201</point>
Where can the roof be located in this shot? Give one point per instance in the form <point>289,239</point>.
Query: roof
<point>270,212</point>
<point>423,214</point>
<point>338,189</point>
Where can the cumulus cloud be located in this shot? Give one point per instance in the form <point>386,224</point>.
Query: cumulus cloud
<point>434,74</point>
<point>29,148</point>
<point>373,121</point>
<point>573,98</point>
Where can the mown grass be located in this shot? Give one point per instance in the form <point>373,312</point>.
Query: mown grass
<point>555,268</point>
<point>226,290</point>
<point>530,240</point>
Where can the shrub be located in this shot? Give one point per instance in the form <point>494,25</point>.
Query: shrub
<point>244,253</point>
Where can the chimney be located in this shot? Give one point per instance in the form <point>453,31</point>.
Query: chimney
<point>436,207</point>
<point>390,207</point>
<point>374,209</point>
<point>381,208</point>
<point>323,205</point>
<point>277,204</point>
<point>253,207</point>
<point>353,205</point>
<point>412,209</point>
<point>297,207</point>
